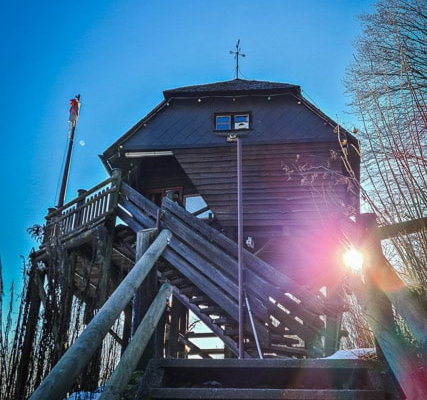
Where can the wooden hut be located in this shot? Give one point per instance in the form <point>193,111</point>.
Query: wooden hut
<point>299,176</point>
<point>299,168</point>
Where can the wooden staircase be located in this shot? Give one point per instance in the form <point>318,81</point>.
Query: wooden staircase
<point>201,264</point>
<point>285,379</point>
<point>284,327</point>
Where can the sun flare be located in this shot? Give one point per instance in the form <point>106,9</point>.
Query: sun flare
<point>353,259</point>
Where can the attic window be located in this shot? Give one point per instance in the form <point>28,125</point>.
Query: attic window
<point>232,121</point>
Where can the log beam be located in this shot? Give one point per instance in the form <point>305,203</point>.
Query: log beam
<point>129,361</point>
<point>55,387</point>
<point>383,288</point>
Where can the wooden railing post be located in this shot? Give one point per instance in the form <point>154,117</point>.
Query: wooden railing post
<point>141,302</point>
<point>106,244</point>
<point>384,288</point>
<point>117,180</point>
<point>384,277</point>
<point>89,207</point>
<point>79,209</point>
<point>68,368</point>
<point>145,295</point>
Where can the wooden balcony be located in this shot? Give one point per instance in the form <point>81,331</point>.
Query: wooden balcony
<point>84,212</point>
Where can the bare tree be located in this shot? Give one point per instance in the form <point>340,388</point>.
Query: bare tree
<point>387,83</point>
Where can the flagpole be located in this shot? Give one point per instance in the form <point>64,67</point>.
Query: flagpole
<point>74,112</point>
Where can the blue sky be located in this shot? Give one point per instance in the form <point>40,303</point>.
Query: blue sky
<point>120,55</point>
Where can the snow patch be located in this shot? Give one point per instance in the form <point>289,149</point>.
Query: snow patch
<point>352,354</point>
<point>86,395</point>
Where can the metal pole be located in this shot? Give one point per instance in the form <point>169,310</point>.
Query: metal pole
<point>240,244</point>
<point>251,318</point>
<point>61,197</point>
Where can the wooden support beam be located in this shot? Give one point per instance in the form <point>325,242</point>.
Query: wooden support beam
<point>229,343</point>
<point>61,282</point>
<point>145,295</point>
<point>194,349</point>
<point>408,373</point>
<point>178,325</point>
<point>33,300</point>
<point>383,288</point>
<point>127,327</point>
<point>103,260</point>
<point>105,243</point>
<point>401,228</point>
<point>129,360</point>
<point>55,387</point>
<point>223,252</point>
<point>134,203</point>
<point>221,267</point>
<point>382,275</point>
<point>214,270</point>
<point>334,310</point>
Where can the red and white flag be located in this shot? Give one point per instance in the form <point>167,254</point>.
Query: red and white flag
<point>74,111</point>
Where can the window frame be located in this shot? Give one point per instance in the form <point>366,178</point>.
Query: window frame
<point>203,213</point>
<point>232,116</point>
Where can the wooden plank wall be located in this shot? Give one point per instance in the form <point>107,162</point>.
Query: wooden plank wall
<point>283,185</point>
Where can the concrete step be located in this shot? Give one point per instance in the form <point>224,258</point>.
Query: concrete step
<point>285,379</point>
<point>261,394</point>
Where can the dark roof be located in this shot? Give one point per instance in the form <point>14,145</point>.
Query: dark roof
<point>281,115</point>
<point>233,88</point>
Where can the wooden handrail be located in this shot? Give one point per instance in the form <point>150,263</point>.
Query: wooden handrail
<point>213,270</point>
<point>65,372</point>
<point>130,358</point>
<point>87,209</point>
<point>384,288</point>
<point>401,228</point>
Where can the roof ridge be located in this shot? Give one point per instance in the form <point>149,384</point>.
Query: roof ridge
<point>235,86</point>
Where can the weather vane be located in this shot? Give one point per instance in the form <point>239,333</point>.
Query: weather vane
<point>237,54</point>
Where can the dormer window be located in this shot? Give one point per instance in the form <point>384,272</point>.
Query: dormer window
<point>232,121</point>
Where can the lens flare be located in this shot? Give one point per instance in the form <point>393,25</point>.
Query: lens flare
<point>353,259</point>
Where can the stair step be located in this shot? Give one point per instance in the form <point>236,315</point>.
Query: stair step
<point>179,281</point>
<point>286,379</point>
<point>170,273</point>
<point>200,335</point>
<point>231,331</point>
<point>289,351</point>
<point>224,321</point>
<point>211,310</point>
<point>189,291</point>
<point>284,340</point>
<point>201,300</point>
<point>261,394</point>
